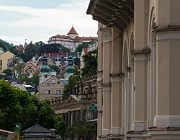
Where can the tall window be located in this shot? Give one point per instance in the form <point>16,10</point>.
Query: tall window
<point>58,92</point>
<point>48,92</point>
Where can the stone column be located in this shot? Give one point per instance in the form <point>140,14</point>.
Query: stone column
<point>66,118</point>
<point>168,66</point>
<point>77,115</point>
<point>72,118</point>
<point>116,80</point>
<point>69,119</point>
<point>81,115</point>
<point>141,10</point>
<point>106,33</point>
<point>99,81</point>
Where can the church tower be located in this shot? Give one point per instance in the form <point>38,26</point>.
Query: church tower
<point>72,33</point>
<point>45,71</point>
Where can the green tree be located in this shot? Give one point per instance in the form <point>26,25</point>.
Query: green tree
<point>18,67</point>
<point>17,107</point>
<point>8,72</point>
<point>69,88</point>
<point>34,80</point>
<point>13,50</point>
<point>90,63</point>
<point>60,126</point>
<point>3,46</point>
<point>81,46</point>
<point>31,50</point>
<point>65,49</point>
<point>83,129</point>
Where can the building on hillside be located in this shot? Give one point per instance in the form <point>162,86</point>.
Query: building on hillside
<point>70,68</point>
<point>72,40</point>
<point>29,69</point>
<point>8,135</point>
<point>45,71</point>
<point>52,87</point>
<point>138,69</point>
<point>20,49</point>
<point>4,57</point>
<point>80,105</point>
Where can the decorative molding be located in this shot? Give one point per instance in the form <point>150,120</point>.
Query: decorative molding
<point>116,74</point>
<point>167,121</point>
<point>106,84</point>
<point>167,28</point>
<point>146,50</point>
<point>127,68</point>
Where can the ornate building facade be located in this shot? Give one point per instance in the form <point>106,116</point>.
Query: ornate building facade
<point>81,105</point>
<point>72,40</point>
<point>138,69</point>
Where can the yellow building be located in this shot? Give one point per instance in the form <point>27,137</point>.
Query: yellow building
<point>138,69</point>
<point>51,87</point>
<point>4,60</point>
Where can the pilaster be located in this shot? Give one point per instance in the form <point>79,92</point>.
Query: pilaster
<point>116,84</point>
<point>141,10</point>
<point>106,118</point>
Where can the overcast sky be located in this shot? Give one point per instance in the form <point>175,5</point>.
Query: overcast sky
<point>38,20</point>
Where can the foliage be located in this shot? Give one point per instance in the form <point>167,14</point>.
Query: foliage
<point>5,45</point>
<point>30,51</point>
<point>68,89</point>
<point>18,67</point>
<point>53,48</point>
<point>65,49</point>
<point>17,107</point>
<point>82,129</point>
<point>90,63</point>
<point>81,46</point>
<point>60,126</point>
<point>55,68</point>
<point>8,72</point>
<point>34,80</point>
<point>77,62</point>
<point>14,50</point>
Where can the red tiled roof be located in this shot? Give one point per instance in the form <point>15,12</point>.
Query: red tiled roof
<point>61,36</point>
<point>81,39</point>
<point>72,31</point>
<point>77,39</point>
<point>19,48</point>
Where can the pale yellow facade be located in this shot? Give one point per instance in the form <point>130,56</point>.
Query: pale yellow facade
<point>4,60</point>
<point>51,88</point>
<point>138,69</point>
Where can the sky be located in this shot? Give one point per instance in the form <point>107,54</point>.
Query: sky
<point>38,20</point>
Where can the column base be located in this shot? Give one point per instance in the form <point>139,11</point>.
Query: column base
<point>169,133</point>
<point>105,132</point>
<point>167,121</point>
<point>116,130</point>
<point>115,137</point>
<point>139,126</point>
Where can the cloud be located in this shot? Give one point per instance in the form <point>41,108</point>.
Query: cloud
<point>43,22</point>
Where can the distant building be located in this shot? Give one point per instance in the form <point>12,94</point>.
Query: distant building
<point>72,40</point>
<point>38,132</point>
<point>81,105</point>
<point>45,70</point>
<point>70,68</point>
<point>29,69</point>
<point>51,87</point>
<point>4,60</point>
